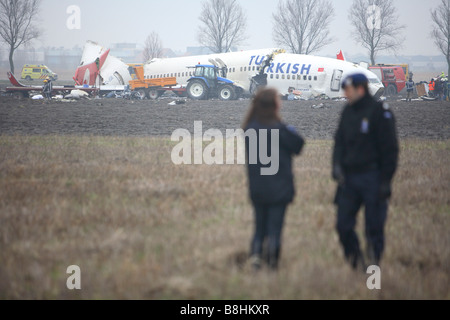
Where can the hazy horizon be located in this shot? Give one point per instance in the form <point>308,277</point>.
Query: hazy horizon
<point>108,22</point>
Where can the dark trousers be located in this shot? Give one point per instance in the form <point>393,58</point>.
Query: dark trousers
<point>48,95</point>
<point>409,95</point>
<point>269,220</point>
<point>362,189</point>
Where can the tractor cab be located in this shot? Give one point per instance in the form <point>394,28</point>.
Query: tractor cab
<point>206,71</point>
<point>209,74</point>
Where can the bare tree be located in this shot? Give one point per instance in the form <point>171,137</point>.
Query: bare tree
<point>303,25</point>
<point>441,29</point>
<point>223,25</point>
<point>153,47</point>
<point>376,26</point>
<point>18,24</point>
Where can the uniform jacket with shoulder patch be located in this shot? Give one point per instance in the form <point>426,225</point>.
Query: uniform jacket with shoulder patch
<point>366,139</point>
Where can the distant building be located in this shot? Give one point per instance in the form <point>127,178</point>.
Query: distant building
<point>128,52</point>
<point>57,59</point>
<point>198,51</point>
<point>22,56</point>
<point>62,58</point>
<point>168,53</point>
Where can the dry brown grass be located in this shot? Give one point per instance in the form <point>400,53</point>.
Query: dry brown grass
<point>140,227</point>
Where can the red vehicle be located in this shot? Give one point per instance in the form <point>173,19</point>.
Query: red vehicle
<point>393,78</point>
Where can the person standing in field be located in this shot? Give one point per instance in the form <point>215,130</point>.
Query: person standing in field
<point>445,80</point>
<point>269,194</point>
<point>409,89</point>
<point>438,89</point>
<point>431,87</point>
<point>365,159</point>
<point>48,88</point>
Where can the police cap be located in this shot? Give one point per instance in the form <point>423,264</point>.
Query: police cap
<point>355,80</point>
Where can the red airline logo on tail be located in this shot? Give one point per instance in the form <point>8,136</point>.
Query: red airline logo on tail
<point>88,73</point>
<point>340,56</point>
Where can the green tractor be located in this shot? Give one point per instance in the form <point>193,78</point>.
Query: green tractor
<point>209,82</point>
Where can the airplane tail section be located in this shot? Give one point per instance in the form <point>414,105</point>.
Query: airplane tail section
<point>99,67</point>
<point>340,56</point>
<point>87,74</point>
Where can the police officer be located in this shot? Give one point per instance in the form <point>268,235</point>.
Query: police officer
<point>364,162</point>
<point>48,88</point>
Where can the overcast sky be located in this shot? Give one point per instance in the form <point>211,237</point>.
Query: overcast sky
<point>176,21</point>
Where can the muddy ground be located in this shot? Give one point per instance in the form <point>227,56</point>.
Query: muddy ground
<point>107,117</point>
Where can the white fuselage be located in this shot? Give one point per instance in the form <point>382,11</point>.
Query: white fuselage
<point>307,75</point>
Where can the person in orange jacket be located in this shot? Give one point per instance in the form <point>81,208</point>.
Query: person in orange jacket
<point>431,86</point>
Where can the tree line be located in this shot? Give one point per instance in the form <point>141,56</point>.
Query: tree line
<point>301,26</point>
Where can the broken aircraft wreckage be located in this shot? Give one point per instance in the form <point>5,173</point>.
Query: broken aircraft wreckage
<point>305,76</point>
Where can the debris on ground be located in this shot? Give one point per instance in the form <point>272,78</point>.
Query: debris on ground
<point>77,95</point>
<point>427,98</point>
<point>340,99</point>
<point>406,100</point>
<point>320,106</point>
<point>177,102</point>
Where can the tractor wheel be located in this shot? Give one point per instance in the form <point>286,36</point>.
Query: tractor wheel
<point>227,93</point>
<point>391,90</point>
<point>141,93</point>
<point>154,94</point>
<point>197,90</point>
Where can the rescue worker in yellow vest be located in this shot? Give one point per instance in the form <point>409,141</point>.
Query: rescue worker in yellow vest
<point>48,88</point>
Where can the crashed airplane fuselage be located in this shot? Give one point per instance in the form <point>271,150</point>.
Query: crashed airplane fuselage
<point>305,75</point>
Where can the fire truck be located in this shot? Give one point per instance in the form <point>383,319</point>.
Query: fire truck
<point>392,77</point>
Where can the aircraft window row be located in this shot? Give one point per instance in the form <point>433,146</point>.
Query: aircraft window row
<point>299,77</point>
<point>189,74</point>
<point>230,70</point>
<point>167,75</point>
<point>244,69</point>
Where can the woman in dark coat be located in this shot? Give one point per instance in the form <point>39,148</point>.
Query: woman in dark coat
<point>271,190</point>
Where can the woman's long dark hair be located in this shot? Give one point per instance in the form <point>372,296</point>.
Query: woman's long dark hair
<point>263,108</point>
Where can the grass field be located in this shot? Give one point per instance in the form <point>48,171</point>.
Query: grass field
<point>140,227</point>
